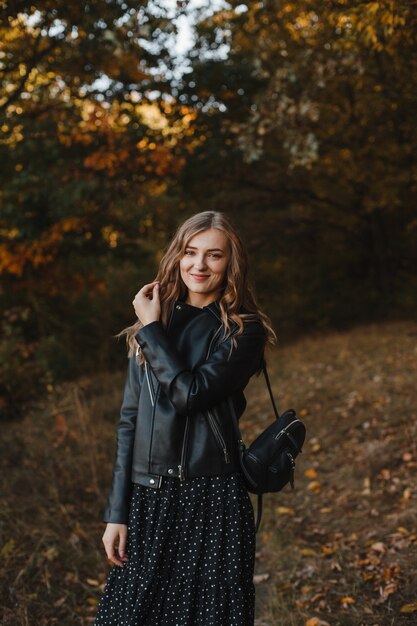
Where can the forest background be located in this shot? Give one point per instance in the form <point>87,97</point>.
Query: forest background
<point>120,119</point>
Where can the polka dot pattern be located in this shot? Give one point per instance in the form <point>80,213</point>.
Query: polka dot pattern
<point>191,549</point>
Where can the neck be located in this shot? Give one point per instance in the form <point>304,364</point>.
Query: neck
<point>199,300</point>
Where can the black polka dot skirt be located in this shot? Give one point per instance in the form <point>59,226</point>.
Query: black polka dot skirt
<point>191,550</point>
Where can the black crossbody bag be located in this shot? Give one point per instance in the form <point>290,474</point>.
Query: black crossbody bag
<point>269,462</point>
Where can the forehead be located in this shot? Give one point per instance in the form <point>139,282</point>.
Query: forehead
<point>208,239</point>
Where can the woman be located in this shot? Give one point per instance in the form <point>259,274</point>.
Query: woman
<point>180,528</point>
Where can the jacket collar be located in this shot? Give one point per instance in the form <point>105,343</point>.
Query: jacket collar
<point>213,307</point>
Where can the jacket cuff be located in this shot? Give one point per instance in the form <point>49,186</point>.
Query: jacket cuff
<point>115,517</point>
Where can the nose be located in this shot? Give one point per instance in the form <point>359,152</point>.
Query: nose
<point>200,263</point>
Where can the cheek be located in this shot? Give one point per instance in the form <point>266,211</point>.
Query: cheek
<point>220,269</point>
<point>183,265</point>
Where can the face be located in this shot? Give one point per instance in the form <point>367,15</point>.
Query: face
<point>204,264</point>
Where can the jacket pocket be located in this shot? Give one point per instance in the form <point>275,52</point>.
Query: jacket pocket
<point>218,435</point>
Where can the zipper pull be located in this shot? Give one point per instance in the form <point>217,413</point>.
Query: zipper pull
<point>226,455</point>
<point>180,472</point>
<point>291,469</point>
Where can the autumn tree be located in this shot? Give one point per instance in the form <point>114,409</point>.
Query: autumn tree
<point>87,157</point>
<point>310,113</point>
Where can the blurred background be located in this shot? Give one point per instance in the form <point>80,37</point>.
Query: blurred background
<point>118,121</point>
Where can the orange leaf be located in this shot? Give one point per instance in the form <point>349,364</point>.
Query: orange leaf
<point>314,486</point>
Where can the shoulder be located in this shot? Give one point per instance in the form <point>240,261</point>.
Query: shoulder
<point>252,323</point>
<point>253,332</point>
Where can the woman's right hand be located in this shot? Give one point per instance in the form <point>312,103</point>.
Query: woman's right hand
<point>114,540</point>
<point>147,304</point>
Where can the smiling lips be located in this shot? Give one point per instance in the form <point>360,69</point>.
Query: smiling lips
<point>199,276</point>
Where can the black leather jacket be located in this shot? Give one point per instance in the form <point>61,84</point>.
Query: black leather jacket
<point>174,419</point>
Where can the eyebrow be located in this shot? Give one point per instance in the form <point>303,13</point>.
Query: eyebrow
<point>208,250</point>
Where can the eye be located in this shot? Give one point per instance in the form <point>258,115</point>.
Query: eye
<point>189,252</point>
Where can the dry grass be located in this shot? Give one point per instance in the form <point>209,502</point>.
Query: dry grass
<point>341,548</point>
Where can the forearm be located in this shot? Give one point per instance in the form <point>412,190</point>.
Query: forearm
<point>206,385</point>
<point>116,509</point>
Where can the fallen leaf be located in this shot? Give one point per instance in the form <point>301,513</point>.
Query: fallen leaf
<point>409,608</point>
<point>385,474</point>
<point>366,486</point>
<point>327,550</point>
<point>314,486</point>
<point>260,578</point>
<point>8,548</point>
<point>318,596</point>
<point>346,600</point>
<point>310,473</point>
<point>51,553</point>
<point>389,589</point>
<point>378,546</point>
<point>308,552</point>
<point>406,495</point>
<point>284,510</point>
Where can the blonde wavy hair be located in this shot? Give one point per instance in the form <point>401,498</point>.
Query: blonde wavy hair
<point>236,292</point>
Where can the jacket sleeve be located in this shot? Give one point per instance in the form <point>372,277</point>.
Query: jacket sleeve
<point>206,385</point>
<point>116,509</point>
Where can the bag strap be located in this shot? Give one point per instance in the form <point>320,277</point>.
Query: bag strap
<point>270,389</point>
<point>240,450</point>
<point>232,406</point>
<point>258,512</point>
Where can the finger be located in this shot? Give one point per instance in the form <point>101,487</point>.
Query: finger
<point>149,286</point>
<point>111,553</point>
<point>146,291</point>
<point>113,557</point>
<point>119,558</point>
<point>122,543</point>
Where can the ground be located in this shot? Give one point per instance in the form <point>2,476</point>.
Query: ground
<point>339,550</point>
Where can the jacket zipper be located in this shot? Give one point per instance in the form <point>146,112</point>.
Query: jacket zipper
<point>212,422</point>
<point>181,466</point>
<point>149,384</point>
<point>285,429</point>
<point>218,436</point>
<point>211,342</point>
